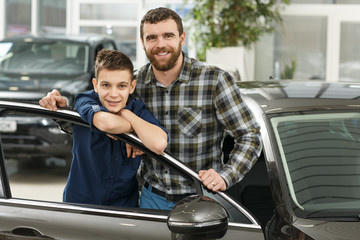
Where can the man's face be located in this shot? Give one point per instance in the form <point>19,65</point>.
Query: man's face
<point>114,88</point>
<point>162,44</point>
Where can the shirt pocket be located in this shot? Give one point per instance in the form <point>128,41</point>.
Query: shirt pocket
<point>189,121</point>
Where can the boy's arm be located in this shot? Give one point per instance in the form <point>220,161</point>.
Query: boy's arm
<point>111,123</point>
<point>152,136</point>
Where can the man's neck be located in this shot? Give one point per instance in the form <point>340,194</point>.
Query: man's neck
<point>167,77</point>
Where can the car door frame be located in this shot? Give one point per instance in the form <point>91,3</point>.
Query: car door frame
<point>134,221</point>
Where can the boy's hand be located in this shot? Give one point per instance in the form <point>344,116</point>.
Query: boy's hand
<point>132,152</point>
<point>53,100</point>
<point>212,180</point>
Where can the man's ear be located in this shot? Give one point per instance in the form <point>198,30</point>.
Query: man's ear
<point>133,85</point>
<point>182,39</point>
<point>94,82</point>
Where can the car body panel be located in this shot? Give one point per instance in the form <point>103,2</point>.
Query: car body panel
<point>296,99</point>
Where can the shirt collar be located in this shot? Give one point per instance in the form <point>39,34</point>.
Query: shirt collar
<point>129,103</point>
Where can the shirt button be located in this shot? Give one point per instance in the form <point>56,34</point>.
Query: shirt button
<point>167,112</point>
<point>165,172</point>
<point>167,91</point>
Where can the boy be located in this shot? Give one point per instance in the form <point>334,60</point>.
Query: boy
<point>101,172</point>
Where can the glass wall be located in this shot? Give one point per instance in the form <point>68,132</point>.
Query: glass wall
<point>349,52</point>
<point>125,37</point>
<point>18,17</point>
<point>52,16</point>
<point>325,1</point>
<point>316,40</point>
<point>297,50</point>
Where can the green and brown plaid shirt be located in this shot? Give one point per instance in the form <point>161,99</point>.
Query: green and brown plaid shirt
<point>197,109</point>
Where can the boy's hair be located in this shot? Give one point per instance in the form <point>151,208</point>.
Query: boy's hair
<point>158,15</point>
<point>112,60</point>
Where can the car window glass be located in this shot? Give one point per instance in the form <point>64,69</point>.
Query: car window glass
<point>253,192</point>
<point>37,156</point>
<point>320,154</point>
<point>44,57</point>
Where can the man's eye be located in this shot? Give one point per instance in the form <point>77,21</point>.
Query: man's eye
<point>149,38</point>
<point>169,35</point>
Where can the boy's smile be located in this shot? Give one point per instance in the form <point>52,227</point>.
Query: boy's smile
<point>114,88</point>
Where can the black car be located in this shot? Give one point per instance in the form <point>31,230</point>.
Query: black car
<point>31,66</point>
<point>305,185</point>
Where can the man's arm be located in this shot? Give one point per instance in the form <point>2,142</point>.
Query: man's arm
<point>237,118</point>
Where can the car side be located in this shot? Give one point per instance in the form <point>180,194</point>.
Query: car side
<point>215,215</point>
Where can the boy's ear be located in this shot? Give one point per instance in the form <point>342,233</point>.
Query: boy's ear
<point>94,82</point>
<point>132,86</point>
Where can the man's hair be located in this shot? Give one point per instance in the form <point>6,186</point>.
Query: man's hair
<point>112,60</point>
<point>158,15</point>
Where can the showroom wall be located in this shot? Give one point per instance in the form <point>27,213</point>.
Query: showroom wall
<point>317,39</point>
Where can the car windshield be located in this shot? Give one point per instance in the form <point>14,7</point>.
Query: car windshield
<point>43,57</point>
<point>320,154</point>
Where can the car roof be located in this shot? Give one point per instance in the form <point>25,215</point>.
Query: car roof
<point>88,38</point>
<point>288,96</point>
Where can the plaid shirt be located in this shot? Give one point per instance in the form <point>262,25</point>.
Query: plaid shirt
<point>196,109</point>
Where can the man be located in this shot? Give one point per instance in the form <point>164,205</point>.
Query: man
<point>197,104</point>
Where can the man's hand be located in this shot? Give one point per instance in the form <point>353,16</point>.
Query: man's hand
<point>53,100</point>
<point>212,180</point>
<point>132,152</point>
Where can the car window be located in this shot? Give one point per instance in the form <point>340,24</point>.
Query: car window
<point>37,156</point>
<point>320,154</point>
<point>44,57</point>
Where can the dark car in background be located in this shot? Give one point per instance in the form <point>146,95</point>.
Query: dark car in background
<point>31,66</point>
<point>304,186</point>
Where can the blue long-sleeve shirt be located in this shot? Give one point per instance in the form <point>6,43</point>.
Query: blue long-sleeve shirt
<point>100,171</point>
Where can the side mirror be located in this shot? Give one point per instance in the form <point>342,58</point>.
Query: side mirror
<point>198,215</point>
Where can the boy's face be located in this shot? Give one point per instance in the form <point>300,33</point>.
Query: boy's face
<point>114,88</point>
<point>162,44</point>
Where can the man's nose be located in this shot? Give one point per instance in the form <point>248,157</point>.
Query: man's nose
<point>161,42</point>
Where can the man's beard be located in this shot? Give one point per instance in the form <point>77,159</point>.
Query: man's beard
<point>164,65</point>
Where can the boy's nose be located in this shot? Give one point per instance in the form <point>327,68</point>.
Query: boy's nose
<point>113,92</point>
